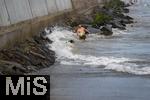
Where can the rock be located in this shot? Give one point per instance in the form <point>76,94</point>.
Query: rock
<point>27,56</point>
<point>93,30</point>
<point>124,21</point>
<point>24,57</point>
<point>35,61</point>
<point>43,35</point>
<point>13,67</point>
<point>48,30</point>
<point>118,19</point>
<point>128,17</point>
<point>125,10</point>
<point>131,25</point>
<point>38,55</point>
<point>117,24</point>
<point>31,68</point>
<point>107,11</point>
<point>106,30</point>
<point>38,40</point>
<point>48,40</point>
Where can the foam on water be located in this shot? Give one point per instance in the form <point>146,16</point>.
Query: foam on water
<point>60,36</point>
<point>134,69</point>
<point>118,32</point>
<point>65,56</point>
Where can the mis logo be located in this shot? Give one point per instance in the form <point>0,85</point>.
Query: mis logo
<point>25,87</point>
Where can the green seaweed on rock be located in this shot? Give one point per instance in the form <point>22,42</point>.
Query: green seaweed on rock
<point>101,19</point>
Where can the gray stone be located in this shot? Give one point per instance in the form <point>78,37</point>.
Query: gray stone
<point>106,30</point>
<point>93,30</point>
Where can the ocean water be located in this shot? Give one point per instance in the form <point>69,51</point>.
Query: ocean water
<point>126,51</point>
<point>103,68</point>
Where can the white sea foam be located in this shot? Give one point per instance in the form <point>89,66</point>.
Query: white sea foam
<point>118,32</point>
<point>60,37</point>
<point>133,69</point>
<point>64,53</point>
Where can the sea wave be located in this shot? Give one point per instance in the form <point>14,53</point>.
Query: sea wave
<point>65,55</point>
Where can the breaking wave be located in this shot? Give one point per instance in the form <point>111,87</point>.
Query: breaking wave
<point>66,55</point>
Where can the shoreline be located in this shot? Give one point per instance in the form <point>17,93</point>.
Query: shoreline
<point>28,56</point>
<point>34,54</point>
<point>102,19</point>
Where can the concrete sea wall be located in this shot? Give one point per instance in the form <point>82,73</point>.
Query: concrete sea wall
<point>14,11</point>
<point>22,18</point>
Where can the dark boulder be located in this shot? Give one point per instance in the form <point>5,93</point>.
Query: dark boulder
<point>27,56</point>
<point>125,10</point>
<point>10,67</point>
<point>116,23</point>
<point>128,17</point>
<point>93,30</point>
<point>126,21</point>
<point>31,68</point>
<point>106,30</point>
<point>48,40</point>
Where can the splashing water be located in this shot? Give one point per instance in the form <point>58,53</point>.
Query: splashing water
<point>125,51</point>
<point>65,55</point>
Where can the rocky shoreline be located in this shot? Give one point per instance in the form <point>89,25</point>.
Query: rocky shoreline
<point>28,56</point>
<point>102,19</point>
<point>34,54</point>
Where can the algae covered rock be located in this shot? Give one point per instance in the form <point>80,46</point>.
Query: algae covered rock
<point>101,19</point>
